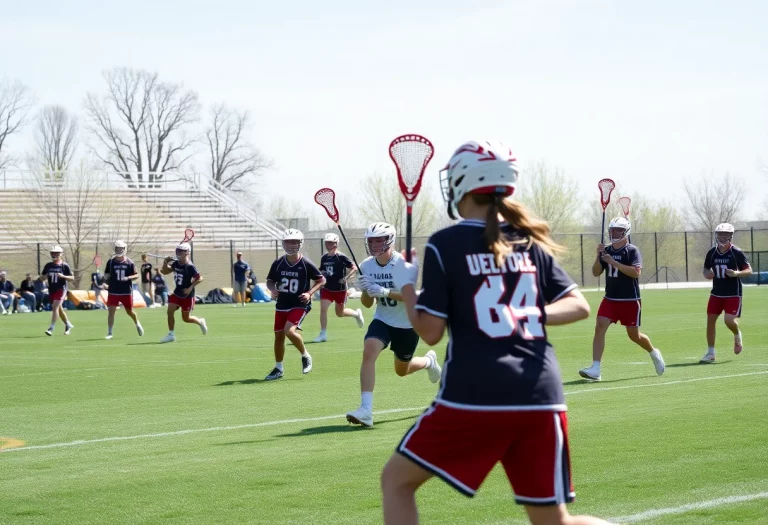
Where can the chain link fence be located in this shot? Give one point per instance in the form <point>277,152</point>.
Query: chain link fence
<point>667,257</point>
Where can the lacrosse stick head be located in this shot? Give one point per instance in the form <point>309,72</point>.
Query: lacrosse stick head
<point>625,203</point>
<point>411,154</point>
<point>606,187</point>
<point>326,198</point>
<point>189,234</point>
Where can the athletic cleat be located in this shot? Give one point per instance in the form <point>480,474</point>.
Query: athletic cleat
<point>170,338</point>
<point>433,369</point>
<point>140,329</point>
<point>306,363</point>
<point>360,319</point>
<point>109,336</point>
<point>49,332</point>
<point>591,373</point>
<point>658,361</point>
<point>737,342</point>
<point>362,416</point>
<point>708,358</point>
<point>276,373</point>
<point>320,338</point>
<point>203,326</point>
<point>68,329</point>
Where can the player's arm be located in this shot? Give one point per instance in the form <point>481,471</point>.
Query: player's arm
<point>429,327</point>
<point>627,269</point>
<point>319,283</point>
<point>746,272</point>
<point>708,273</point>
<point>366,299</point>
<point>166,269</point>
<point>134,276</point>
<point>597,267</point>
<point>67,276</point>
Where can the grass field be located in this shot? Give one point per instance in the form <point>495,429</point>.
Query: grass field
<point>131,431</point>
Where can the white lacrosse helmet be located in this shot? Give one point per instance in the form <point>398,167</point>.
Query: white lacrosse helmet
<point>293,234</point>
<point>183,248</point>
<point>724,234</point>
<point>331,237</point>
<point>120,247</point>
<point>379,230</point>
<point>621,223</point>
<point>56,251</point>
<point>486,167</point>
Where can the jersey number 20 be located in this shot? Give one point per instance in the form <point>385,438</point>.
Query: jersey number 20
<point>497,319</point>
<point>288,285</point>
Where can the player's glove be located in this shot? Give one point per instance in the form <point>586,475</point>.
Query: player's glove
<point>363,283</point>
<point>406,273</point>
<point>377,291</point>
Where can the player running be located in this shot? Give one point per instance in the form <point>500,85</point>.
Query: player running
<point>290,283</point>
<point>120,273</point>
<point>623,264</point>
<point>337,269</point>
<point>390,326</point>
<point>725,264</point>
<point>58,273</point>
<point>186,277</point>
<point>495,287</point>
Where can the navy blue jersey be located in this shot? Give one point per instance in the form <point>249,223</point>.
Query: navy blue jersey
<point>7,287</point>
<point>146,272</point>
<point>27,286</point>
<point>118,272</point>
<point>335,268</point>
<point>52,271</point>
<point>96,279</point>
<point>292,280</point>
<point>618,286</point>
<point>498,355</point>
<point>183,275</point>
<point>240,269</point>
<point>733,259</point>
<point>160,285</point>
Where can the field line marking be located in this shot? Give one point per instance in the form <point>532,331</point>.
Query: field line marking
<point>719,502</point>
<point>324,418</point>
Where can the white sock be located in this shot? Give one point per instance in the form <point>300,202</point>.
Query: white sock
<point>170,332</point>
<point>305,353</point>
<point>109,331</point>
<point>711,350</point>
<point>279,366</point>
<point>596,364</point>
<point>738,336</point>
<point>366,399</point>
<point>52,327</point>
<point>655,353</point>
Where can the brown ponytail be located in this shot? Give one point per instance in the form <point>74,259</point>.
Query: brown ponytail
<point>518,217</point>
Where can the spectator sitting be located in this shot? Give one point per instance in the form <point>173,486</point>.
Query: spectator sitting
<point>251,284</point>
<point>26,291</point>
<point>6,293</point>
<point>41,291</point>
<point>161,290</point>
<point>97,284</point>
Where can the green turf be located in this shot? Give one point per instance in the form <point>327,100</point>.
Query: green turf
<point>638,442</point>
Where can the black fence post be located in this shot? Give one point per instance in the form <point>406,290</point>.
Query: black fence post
<point>322,245</point>
<point>685,237</point>
<point>752,243</point>
<point>191,251</point>
<point>231,263</point>
<point>656,254</point>
<point>276,252</point>
<point>581,246</point>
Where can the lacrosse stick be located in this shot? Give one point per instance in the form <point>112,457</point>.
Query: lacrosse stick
<point>189,233</point>
<point>626,203</point>
<point>326,198</point>
<point>606,187</point>
<point>411,154</point>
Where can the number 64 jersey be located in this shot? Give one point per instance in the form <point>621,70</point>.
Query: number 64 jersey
<point>292,280</point>
<point>498,355</point>
<point>388,311</point>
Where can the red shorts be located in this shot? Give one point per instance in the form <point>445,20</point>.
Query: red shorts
<point>729,305</point>
<point>58,295</point>
<point>294,316</point>
<point>187,304</point>
<point>628,312</point>
<point>334,297</point>
<point>117,300</point>
<point>462,447</point>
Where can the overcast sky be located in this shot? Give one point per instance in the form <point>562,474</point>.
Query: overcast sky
<point>648,93</point>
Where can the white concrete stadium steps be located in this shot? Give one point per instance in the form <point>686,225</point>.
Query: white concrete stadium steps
<point>214,223</point>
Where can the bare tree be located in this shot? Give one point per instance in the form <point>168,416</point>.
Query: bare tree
<point>381,200</point>
<point>15,102</point>
<point>233,159</point>
<point>713,200</point>
<point>55,140</point>
<point>139,124</point>
<point>551,195</point>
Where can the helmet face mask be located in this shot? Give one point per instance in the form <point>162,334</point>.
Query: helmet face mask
<point>724,234</point>
<point>619,229</point>
<point>120,248</point>
<point>331,241</point>
<point>379,237</point>
<point>56,252</point>
<point>292,241</point>
<point>182,252</point>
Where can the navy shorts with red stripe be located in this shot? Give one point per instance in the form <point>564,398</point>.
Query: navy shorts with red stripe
<point>626,312</point>
<point>117,300</point>
<point>294,316</point>
<point>729,305</point>
<point>334,297</point>
<point>187,304</point>
<point>462,447</point>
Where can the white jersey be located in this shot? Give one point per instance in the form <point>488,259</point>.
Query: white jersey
<point>388,310</point>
